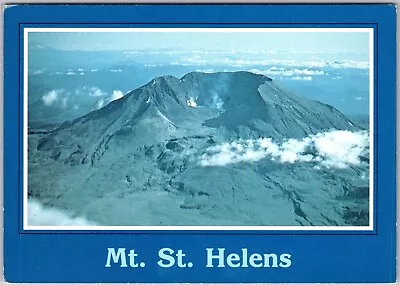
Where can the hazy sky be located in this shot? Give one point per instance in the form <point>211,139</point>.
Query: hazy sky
<point>313,42</point>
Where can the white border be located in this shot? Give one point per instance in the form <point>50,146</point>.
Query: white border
<point>370,227</point>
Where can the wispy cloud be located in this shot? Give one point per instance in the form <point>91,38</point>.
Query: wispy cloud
<point>38,215</point>
<point>64,102</point>
<point>275,71</point>
<point>100,103</point>
<point>95,92</point>
<point>117,94</point>
<point>251,59</point>
<point>336,148</point>
<point>91,91</point>
<point>359,98</point>
<point>288,63</point>
<point>191,102</point>
<point>51,97</point>
<point>39,71</point>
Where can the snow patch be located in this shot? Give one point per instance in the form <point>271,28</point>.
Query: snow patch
<point>39,71</point>
<point>191,102</point>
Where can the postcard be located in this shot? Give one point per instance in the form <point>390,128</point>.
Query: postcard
<point>200,143</point>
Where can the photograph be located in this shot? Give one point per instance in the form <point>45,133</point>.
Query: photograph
<point>198,128</point>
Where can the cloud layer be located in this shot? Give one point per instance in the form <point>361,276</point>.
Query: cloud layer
<point>338,149</point>
<point>248,58</point>
<point>42,216</point>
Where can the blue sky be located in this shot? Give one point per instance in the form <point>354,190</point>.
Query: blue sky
<point>308,42</point>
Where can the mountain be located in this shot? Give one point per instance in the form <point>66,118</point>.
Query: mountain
<point>158,156</point>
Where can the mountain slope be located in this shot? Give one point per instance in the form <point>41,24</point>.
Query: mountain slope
<point>143,153</point>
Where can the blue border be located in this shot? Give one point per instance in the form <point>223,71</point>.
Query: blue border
<point>333,257</point>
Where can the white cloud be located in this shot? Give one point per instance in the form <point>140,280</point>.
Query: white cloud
<point>305,78</point>
<point>243,61</point>
<point>46,216</point>
<point>358,98</point>
<point>55,96</point>
<point>274,71</point>
<point>70,73</point>
<point>116,70</point>
<point>205,70</point>
<point>96,92</point>
<point>216,102</point>
<point>341,148</point>
<point>93,70</point>
<point>100,103</point>
<point>117,94</point>
<point>50,97</point>
<point>336,148</point>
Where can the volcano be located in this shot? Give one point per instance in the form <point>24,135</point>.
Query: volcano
<point>205,149</point>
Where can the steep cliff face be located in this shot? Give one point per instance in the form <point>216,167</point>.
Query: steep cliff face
<point>149,158</point>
